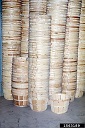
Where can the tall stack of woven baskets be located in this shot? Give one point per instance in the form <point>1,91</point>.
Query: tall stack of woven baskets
<point>58,12</point>
<point>24,27</point>
<point>43,53</point>
<point>39,55</point>
<point>69,80</point>
<point>11,41</point>
<point>81,54</point>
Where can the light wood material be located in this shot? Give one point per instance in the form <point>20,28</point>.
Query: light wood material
<point>39,60</point>
<point>11,39</point>
<point>38,105</point>
<point>58,11</point>
<point>79,93</point>
<point>20,81</point>
<point>38,6</point>
<point>25,28</point>
<point>69,81</point>
<point>59,103</point>
<point>81,55</point>
<point>70,93</point>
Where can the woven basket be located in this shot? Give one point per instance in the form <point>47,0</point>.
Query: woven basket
<point>20,81</point>
<point>59,103</point>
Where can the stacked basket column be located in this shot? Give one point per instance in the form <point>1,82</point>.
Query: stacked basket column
<point>71,48</point>
<point>11,35</point>
<point>39,56</point>
<point>58,10</point>
<point>20,81</point>
<point>38,7</point>
<point>81,55</point>
<point>25,28</point>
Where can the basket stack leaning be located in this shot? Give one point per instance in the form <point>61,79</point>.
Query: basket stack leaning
<point>71,48</point>
<point>81,55</point>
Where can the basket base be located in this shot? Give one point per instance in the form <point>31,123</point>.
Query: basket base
<point>21,103</point>
<point>38,109</point>
<point>78,94</point>
<point>38,105</point>
<point>19,106</point>
<point>59,110</point>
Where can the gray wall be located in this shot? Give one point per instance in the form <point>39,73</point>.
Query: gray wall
<point>0,53</point>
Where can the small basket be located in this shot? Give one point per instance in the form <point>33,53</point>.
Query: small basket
<point>59,103</point>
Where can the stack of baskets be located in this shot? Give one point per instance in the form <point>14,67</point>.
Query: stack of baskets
<point>47,36</point>
<point>59,103</point>
<point>58,10</point>
<point>11,31</point>
<point>38,7</point>
<point>71,48</point>
<point>25,28</point>
<point>39,56</point>
<point>20,81</point>
<point>81,55</point>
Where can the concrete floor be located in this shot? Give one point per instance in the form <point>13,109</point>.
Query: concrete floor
<point>15,117</point>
